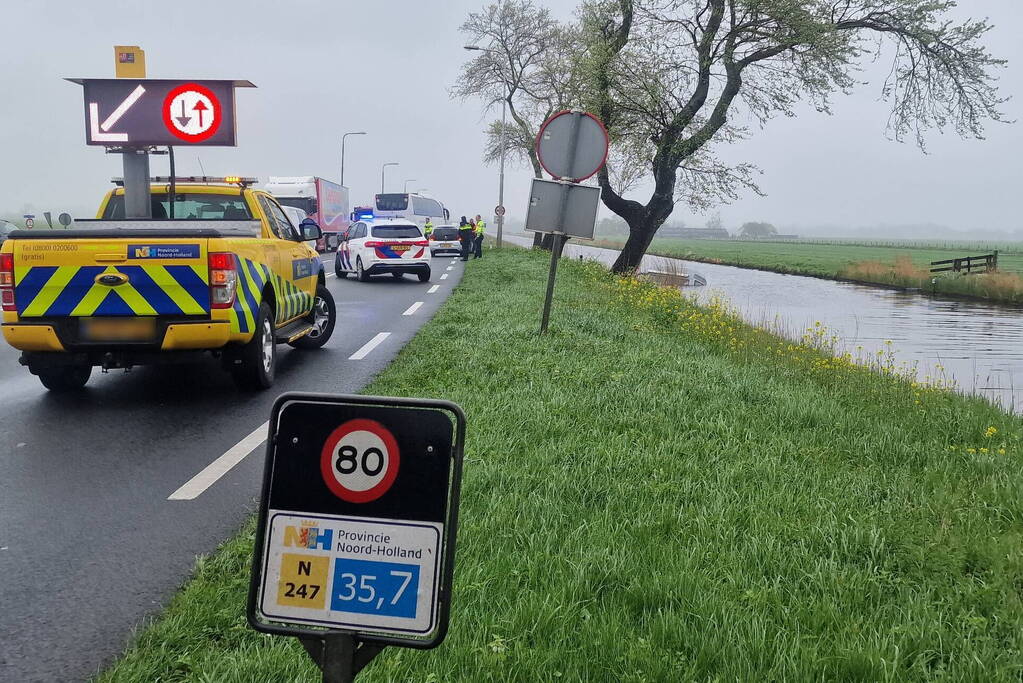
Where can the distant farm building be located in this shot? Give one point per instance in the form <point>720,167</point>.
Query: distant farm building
<point>695,233</point>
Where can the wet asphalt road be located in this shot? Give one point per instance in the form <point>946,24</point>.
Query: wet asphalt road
<point>90,545</point>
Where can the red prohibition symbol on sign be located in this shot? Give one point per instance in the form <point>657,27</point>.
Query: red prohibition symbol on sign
<point>192,112</point>
<point>359,461</point>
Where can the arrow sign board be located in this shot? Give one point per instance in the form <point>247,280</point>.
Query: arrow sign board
<point>143,112</point>
<point>357,519</point>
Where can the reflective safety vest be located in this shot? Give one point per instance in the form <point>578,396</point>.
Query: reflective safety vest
<point>428,228</point>
<point>481,225</point>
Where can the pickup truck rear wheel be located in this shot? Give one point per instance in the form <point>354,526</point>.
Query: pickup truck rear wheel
<point>69,378</point>
<point>259,355</point>
<point>323,316</point>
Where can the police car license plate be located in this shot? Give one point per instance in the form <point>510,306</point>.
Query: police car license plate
<point>401,247</point>
<point>118,329</point>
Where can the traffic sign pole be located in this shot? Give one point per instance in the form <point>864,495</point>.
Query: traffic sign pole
<point>559,237</point>
<point>571,146</point>
<point>137,198</point>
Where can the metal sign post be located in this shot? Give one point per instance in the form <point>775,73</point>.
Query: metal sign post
<point>571,146</point>
<point>355,544</point>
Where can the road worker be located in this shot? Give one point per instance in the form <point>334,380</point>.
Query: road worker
<point>481,226</point>
<point>428,228</point>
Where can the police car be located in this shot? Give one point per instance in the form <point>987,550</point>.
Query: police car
<point>378,246</point>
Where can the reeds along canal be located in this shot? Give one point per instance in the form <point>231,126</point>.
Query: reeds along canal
<point>978,345</point>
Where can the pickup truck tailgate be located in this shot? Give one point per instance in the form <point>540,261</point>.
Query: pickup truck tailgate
<point>111,277</point>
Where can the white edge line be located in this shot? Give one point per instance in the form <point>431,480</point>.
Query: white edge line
<point>192,488</point>
<point>369,346</point>
<point>413,308</point>
<point>433,289</point>
<point>121,108</point>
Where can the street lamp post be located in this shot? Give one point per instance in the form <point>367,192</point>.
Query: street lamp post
<point>504,133</point>
<point>409,180</point>
<point>382,169</point>
<point>361,132</point>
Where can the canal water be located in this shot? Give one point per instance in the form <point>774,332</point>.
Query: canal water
<point>978,345</point>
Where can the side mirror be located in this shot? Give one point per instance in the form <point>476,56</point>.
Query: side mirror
<point>310,230</point>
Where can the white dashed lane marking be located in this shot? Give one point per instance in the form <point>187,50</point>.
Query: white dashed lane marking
<point>433,289</point>
<point>369,346</point>
<point>413,308</point>
<point>221,466</point>
<point>444,276</point>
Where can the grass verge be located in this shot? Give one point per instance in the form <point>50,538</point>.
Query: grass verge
<point>893,266</point>
<point>656,492</point>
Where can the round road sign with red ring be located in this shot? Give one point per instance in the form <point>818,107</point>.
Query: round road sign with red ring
<point>360,461</point>
<point>192,112</point>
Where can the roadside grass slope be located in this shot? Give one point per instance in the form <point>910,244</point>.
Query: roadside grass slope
<point>657,492</point>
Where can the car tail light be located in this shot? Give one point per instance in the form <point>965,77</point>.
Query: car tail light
<point>7,282</point>
<point>223,279</point>
<point>373,243</point>
<point>421,243</point>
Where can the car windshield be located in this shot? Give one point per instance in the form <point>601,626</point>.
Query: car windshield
<point>392,202</point>
<point>194,206</point>
<point>445,233</point>
<point>396,231</point>
<point>307,204</point>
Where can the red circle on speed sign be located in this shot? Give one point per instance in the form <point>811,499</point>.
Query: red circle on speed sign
<point>192,112</point>
<point>360,461</point>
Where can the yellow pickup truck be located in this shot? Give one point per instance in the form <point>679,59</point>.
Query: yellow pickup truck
<point>219,268</point>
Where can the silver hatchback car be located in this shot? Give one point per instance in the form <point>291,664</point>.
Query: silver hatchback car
<point>444,238</point>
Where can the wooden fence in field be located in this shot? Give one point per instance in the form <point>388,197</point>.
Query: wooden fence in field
<point>987,263</point>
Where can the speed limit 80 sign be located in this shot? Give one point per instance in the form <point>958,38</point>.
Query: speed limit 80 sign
<point>358,518</point>
<point>360,460</point>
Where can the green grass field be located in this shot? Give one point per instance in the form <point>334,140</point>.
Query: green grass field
<point>839,260</point>
<point>657,492</point>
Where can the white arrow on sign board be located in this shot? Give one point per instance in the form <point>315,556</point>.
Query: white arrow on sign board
<point>98,132</point>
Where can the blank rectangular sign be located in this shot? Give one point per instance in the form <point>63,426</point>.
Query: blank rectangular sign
<point>544,209</point>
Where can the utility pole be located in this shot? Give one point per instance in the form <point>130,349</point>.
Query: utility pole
<point>506,92</point>
<point>382,169</point>
<point>361,132</point>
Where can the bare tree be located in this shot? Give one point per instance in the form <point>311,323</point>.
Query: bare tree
<point>528,60</point>
<point>670,79</point>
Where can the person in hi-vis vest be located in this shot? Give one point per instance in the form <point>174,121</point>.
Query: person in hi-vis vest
<point>481,226</point>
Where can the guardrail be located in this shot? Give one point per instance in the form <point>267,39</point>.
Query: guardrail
<point>988,263</point>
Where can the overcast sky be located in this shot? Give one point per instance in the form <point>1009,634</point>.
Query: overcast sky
<point>323,68</point>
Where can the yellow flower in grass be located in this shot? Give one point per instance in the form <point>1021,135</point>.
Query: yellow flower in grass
<point>989,432</point>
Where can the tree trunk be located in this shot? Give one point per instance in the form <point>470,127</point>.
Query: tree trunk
<point>643,225</point>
